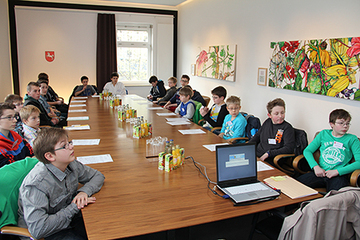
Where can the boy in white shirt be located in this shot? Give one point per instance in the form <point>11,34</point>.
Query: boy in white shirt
<point>115,87</point>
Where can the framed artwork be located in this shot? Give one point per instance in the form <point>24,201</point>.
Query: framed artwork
<point>193,67</point>
<point>262,76</point>
<point>327,67</point>
<point>216,62</point>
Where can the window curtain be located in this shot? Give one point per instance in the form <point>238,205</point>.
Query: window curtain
<point>106,49</point>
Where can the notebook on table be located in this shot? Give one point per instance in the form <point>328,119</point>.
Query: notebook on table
<point>236,171</point>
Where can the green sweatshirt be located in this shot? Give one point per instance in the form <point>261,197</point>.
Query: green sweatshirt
<point>335,152</point>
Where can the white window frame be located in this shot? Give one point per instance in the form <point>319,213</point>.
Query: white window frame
<point>148,45</point>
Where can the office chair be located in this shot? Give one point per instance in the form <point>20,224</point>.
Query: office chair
<point>11,177</point>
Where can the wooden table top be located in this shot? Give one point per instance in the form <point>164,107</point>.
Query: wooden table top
<point>137,198</point>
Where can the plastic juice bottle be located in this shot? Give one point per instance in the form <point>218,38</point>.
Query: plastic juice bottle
<point>142,130</point>
<point>175,162</point>
<point>127,113</point>
<point>171,143</point>
<point>178,155</point>
<point>146,127</point>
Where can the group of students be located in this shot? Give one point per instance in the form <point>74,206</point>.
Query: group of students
<point>49,198</point>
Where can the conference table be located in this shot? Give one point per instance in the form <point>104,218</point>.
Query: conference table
<point>137,198</point>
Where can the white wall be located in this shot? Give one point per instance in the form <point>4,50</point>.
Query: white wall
<point>252,25</point>
<point>5,66</point>
<point>72,35</point>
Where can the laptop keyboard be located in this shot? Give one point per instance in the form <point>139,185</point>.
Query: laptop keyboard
<point>246,188</point>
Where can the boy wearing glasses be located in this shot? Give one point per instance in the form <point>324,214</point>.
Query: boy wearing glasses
<point>49,198</point>
<point>234,123</point>
<point>337,148</point>
<point>18,103</point>
<point>12,146</point>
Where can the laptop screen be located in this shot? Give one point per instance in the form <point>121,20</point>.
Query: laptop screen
<point>236,162</point>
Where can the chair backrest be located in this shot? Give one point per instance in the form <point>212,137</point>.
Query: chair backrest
<point>253,125</point>
<point>197,116</point>
<point>207,100</point>
<point>301,141</point>
<point>11,177</point>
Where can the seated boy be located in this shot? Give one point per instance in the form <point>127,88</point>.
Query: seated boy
<point>215,117</point>
<point>49,110</point>
<point>234,123</point>
<point>276,136</point>
<point>85,89</point>
<point>30,116</point>
<point>17,101</point>
<point>186,108</point>
<point>337,147</point>
<point>49,198</point>
<point>157,90</point>
<point>172,81</point>
<point>115,87</point>
<point>12,146</point>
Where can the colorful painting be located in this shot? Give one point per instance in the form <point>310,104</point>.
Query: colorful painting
<point>216,62</point>
<point>324,66</point>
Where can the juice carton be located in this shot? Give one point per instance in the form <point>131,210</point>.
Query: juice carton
<point>168,162</point>
<point>161,165</point>
<point>182,154</point>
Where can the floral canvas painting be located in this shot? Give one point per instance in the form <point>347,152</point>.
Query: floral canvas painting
<point>324,66</point>
<point>216,62</point>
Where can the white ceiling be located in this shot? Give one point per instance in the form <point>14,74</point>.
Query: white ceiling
<point>156,2</point>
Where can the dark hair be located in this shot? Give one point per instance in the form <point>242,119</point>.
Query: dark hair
<point>4,106</point>
<point>114,74</point>
<point>185,76</point>
<point>46,140</point>
<point>339,114</point>
<point>219,91</point>
<point>40,81</point>
<point>187,91</point>
<point>83,78</point>
<point>274,103</point>
<point>11,98</point>
<point>43,76</point>
<point>30,84</point>
<point>153,79</point>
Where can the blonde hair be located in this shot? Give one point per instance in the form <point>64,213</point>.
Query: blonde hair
<point>27,110</point>
<point>233,100</point>
<point>173,79</point>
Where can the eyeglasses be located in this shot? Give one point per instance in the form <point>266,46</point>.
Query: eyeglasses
<point>10,118</point>
<point>233,109</point>
<point>344,124</point>
<point>184,80</point>
<point>66,146</point>
<point>18,104</point>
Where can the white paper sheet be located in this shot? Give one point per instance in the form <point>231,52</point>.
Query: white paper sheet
<point>95,159</point>
<point>82,142</point>
<point>145,103</point>
<point>263,166</point>
<point>191,131</point>
<point>78,118</point>
<point>77,110</point>
<point>77,105</point>
<point>166,114</point>
<point>176,123</point>
<point>95,95</point>
<point>212,147</point>
<point>140,99</point>
<point>177,119</point>
<point>154,108</point>
<point>80,97</point>
<point>78,127</point>
<point>78,101</point>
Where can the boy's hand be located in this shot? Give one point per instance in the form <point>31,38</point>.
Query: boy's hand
<point>331,173</point>
<point>264,156</point>
<point>319,172</point>
<point>204,111</point>
<point>82,199</point>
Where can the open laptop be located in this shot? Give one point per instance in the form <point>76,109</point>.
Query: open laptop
<point>236,170</point>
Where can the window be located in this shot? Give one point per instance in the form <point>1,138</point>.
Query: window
<point>134,52</point>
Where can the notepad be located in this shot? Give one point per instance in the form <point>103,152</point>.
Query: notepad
<point>290,187</point>
<point>95,159</point>
<point>78,127</point>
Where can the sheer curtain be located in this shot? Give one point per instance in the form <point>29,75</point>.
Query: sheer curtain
<point>106,49</point>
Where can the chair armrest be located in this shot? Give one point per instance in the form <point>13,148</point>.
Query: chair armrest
<point>215,128</point>
<point>14,230</point>
<point>301,165</point>
<point>201,122</point>
<point>354,178</point>
<point>284,163</point>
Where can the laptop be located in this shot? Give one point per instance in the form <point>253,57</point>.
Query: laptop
<point>236,171</point>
